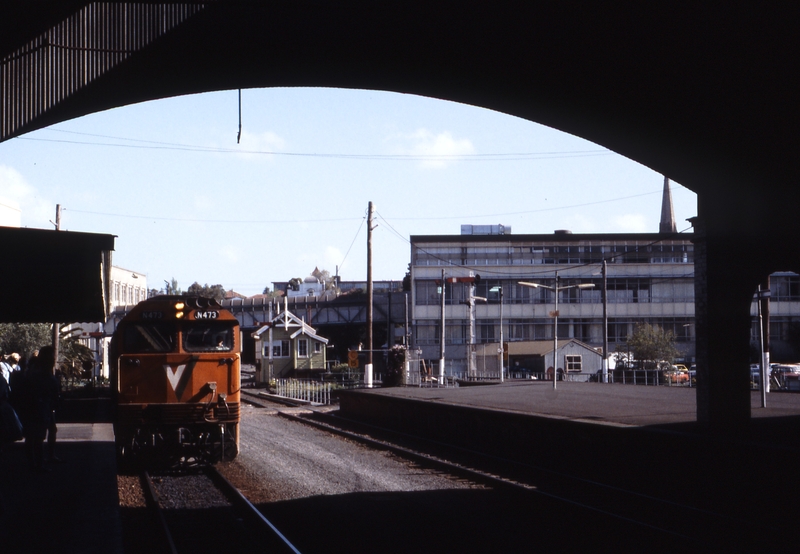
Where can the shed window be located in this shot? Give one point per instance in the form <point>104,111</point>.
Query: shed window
<point>573,362</point>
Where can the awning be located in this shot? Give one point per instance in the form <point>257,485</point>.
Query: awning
<point>53,276</point>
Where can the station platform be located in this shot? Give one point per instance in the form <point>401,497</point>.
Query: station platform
<point>635,437</point>
<point>74,507</point>
<point>623,405</point>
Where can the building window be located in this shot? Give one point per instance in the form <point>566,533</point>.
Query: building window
<point>427,333</point>
<point>427,293</point>
<point>317,347</point>
<point>573,362</point>
<point>280,350</point>
<point>302,348</point>
<point>486,330</point>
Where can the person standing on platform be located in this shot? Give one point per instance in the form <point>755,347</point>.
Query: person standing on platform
<point>39,396</point>
<point>8,365</point>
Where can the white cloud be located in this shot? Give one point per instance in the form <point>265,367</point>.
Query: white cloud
<point>253,145</point>
<point>579,223</point>
<point>230,253</point>
<point>18,199</point>
<point>439,148</point>
<point>203,204</point>
<point>631,223</point>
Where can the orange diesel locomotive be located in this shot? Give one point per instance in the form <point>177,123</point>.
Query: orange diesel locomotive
<point>176,381</point>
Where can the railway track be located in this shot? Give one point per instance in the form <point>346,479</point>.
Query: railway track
<point>667,520</point>
<point>203,512</point>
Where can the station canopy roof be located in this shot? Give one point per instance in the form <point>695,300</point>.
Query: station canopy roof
<point>53,276</point>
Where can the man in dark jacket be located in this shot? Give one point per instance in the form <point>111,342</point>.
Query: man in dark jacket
<point>39,396</point>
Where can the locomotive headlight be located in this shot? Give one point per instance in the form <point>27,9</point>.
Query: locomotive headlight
<point>179,309</point>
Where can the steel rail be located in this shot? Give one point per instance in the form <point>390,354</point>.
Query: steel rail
<point>700,539</point>
<point>152,499</point>
<point>242,504</point>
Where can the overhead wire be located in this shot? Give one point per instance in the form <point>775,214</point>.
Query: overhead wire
<point>194,220</point>
<point>353,241</point>
<point>160,145</point>
<point>327,220</point>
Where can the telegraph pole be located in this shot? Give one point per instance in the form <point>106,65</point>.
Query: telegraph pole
<point>605,321</point>
<point>368,368</point>
<point>763,320</point>
<point>441,338</point>
<point>56,325</point>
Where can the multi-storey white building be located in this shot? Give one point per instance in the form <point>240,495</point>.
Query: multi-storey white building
<point>650,278</point>
<point>126,287</point>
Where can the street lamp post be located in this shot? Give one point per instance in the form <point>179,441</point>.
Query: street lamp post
<point>500,290</point>
<point>556,289</point>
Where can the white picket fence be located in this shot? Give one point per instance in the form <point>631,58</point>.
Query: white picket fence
<point>308,391</point>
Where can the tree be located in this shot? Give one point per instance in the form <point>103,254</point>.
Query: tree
<point>651,344</point>
<point>24,338</point>
<point>395,366</point>
<point>76,359</point>
<point>295,283</point>
<point>171,287</point>
<point>272,293</point>
<point>213,291</point>
<point>407,280</point>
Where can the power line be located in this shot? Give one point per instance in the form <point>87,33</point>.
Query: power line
<point>318,220</point>
<point>159,145</point>
<point>191,220</point>
<point>353,242</point>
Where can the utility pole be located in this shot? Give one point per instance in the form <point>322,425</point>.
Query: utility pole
<point>763,315</point>
<point>368,367</point>
<point>56,325</point>
<point>441,338</point>
<point>271,360</point>
<point>472,364</point>
<point>554,314</point>
<point>555,334</point>
<point>605,321</point>
<point>406,337</point>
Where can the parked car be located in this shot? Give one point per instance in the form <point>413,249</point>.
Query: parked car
<point>784,374</point>
<point>755,373</point>
<point>677,375</point>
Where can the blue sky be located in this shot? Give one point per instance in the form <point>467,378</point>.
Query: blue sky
<point>187,202</point>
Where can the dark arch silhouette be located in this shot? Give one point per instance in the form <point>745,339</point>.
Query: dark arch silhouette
<point>701,92</point>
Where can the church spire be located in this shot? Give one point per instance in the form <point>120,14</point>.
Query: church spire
<point>667,224</point>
